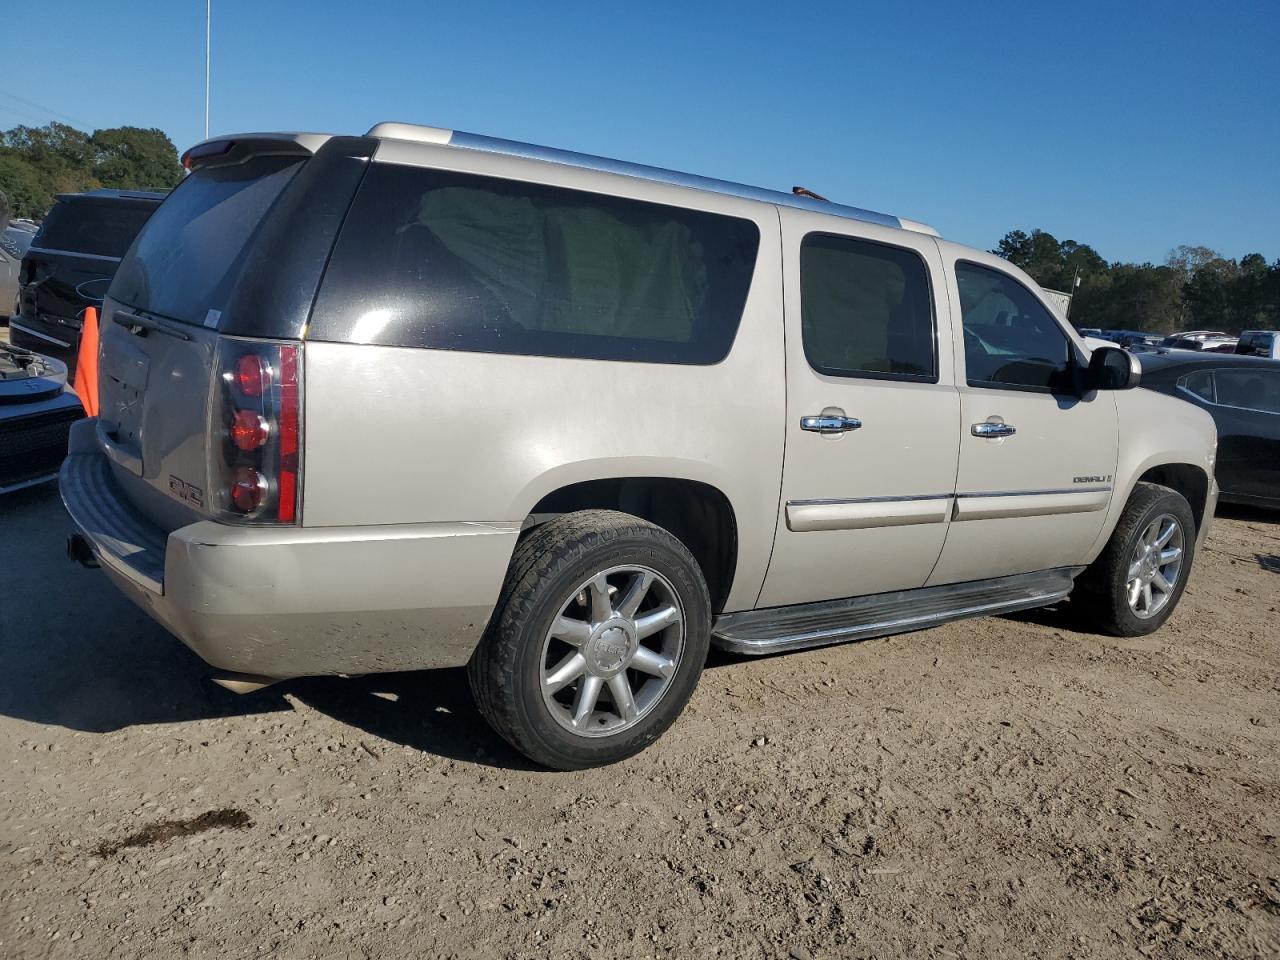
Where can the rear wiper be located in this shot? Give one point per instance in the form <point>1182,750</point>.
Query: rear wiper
<point>137,323</point>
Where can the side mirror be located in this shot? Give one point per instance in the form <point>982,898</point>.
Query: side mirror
<point>1111,368</point>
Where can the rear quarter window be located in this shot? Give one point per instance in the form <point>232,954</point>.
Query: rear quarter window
<point>430,258</point>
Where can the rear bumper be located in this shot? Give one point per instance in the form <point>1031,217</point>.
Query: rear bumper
<point>296,601</point>
<point>39,336</point>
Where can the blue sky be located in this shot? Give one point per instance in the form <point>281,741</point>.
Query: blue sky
<point>1133,127</point>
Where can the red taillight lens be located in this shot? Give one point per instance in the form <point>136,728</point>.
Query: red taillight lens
<point>253,375</point>
<point>255,440</point>
<point>287,479</point>
<point>249,430</point>
<point>248,489</point>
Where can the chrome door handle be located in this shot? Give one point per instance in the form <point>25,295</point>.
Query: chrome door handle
<point>829,424</point>
<point>991,429</point>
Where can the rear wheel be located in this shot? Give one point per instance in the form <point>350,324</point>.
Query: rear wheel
<point>597,641</point>
<point>1135,584</point>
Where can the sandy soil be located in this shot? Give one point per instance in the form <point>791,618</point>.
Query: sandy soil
<point>1004,787</point>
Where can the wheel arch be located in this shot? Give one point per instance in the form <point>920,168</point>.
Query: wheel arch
<point>697,513</point>
<point>1185,478</point>
<point>1189,479</point>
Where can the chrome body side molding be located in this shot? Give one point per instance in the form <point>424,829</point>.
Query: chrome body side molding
<point>1026,503</point>
<point>776,629</point>
<point>866,512</point>
<point>806,515</point>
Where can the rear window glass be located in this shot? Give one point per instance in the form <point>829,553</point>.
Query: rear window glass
<point>187,259</point>
<point>429,258</point>
<point>16,242</point>
<point>98,228</point>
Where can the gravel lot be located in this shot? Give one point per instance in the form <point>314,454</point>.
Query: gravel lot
<point>1003,787</point>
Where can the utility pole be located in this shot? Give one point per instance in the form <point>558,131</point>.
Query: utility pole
<point>208,24</point>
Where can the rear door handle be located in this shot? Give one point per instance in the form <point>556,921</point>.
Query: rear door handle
<point>990,429</point>
<point>827,423</point>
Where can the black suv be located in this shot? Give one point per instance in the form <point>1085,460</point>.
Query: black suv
<point>70,265</point>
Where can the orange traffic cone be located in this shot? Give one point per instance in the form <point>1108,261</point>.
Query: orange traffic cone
<point>86,381</point>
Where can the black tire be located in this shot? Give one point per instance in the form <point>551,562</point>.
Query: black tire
<point>1101,591</point>
<point>548,565</point>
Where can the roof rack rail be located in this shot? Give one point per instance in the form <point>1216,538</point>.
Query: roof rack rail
<point>475,141</point>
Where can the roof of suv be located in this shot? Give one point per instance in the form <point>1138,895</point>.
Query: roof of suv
<point>438,136</point>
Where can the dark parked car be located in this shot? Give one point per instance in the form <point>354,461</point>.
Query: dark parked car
<point>1243,396</point>
<point>37,409</point>
<point>70,265</point>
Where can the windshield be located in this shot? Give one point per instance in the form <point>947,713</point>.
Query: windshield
<point>186,261</point>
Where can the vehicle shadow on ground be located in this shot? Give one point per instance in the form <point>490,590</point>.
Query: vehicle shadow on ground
<point>75,653</point>
<point>429,710</point>
<point>1240,511</point>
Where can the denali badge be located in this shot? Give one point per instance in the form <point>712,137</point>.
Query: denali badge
<point>1106,479</point>
<point>186,491</point>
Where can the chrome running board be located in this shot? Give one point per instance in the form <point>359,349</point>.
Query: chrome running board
<point>775,629</point>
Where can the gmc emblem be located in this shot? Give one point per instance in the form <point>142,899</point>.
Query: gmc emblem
<point>186,491</point>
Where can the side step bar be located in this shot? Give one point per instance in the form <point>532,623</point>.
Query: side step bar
<point>775,629</point>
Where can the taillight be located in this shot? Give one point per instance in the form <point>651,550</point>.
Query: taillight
<point>249,429</point>
<point>255,431</point>
<point>253,375</point>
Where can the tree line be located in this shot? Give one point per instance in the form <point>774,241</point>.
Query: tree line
<point>38,162</point>
<point>1196,288</point>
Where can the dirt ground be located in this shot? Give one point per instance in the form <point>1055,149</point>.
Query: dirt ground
<point>1004,787</point>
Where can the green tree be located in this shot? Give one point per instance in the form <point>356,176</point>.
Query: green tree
<point>131,158</point>
<point>29,194</point>
<point>61,154</point>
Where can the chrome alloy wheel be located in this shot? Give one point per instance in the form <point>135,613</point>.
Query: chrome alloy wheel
<point>612,651</point>
<point>1155,566</point>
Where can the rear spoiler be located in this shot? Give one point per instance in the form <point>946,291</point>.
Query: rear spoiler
<point>239,147</point>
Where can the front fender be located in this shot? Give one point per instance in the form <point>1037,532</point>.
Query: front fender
<point>1156,430</point>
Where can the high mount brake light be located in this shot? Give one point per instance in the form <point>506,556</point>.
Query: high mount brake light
<point>255,431</point>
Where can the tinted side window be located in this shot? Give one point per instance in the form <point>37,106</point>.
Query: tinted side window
<point>429,258</point>
<point>1200,383</point>
<point>1011,340</point>
<point>1249,389</point>
<point>103,229</point>
<point>865,309</point>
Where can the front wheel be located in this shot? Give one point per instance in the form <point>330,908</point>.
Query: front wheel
<point>597,641</point>
<point>1136,582</point>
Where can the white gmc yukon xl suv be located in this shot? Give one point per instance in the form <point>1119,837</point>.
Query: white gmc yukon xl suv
<point>425,398</point>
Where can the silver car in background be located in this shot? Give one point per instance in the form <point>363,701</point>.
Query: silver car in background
<point>15,241</point>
